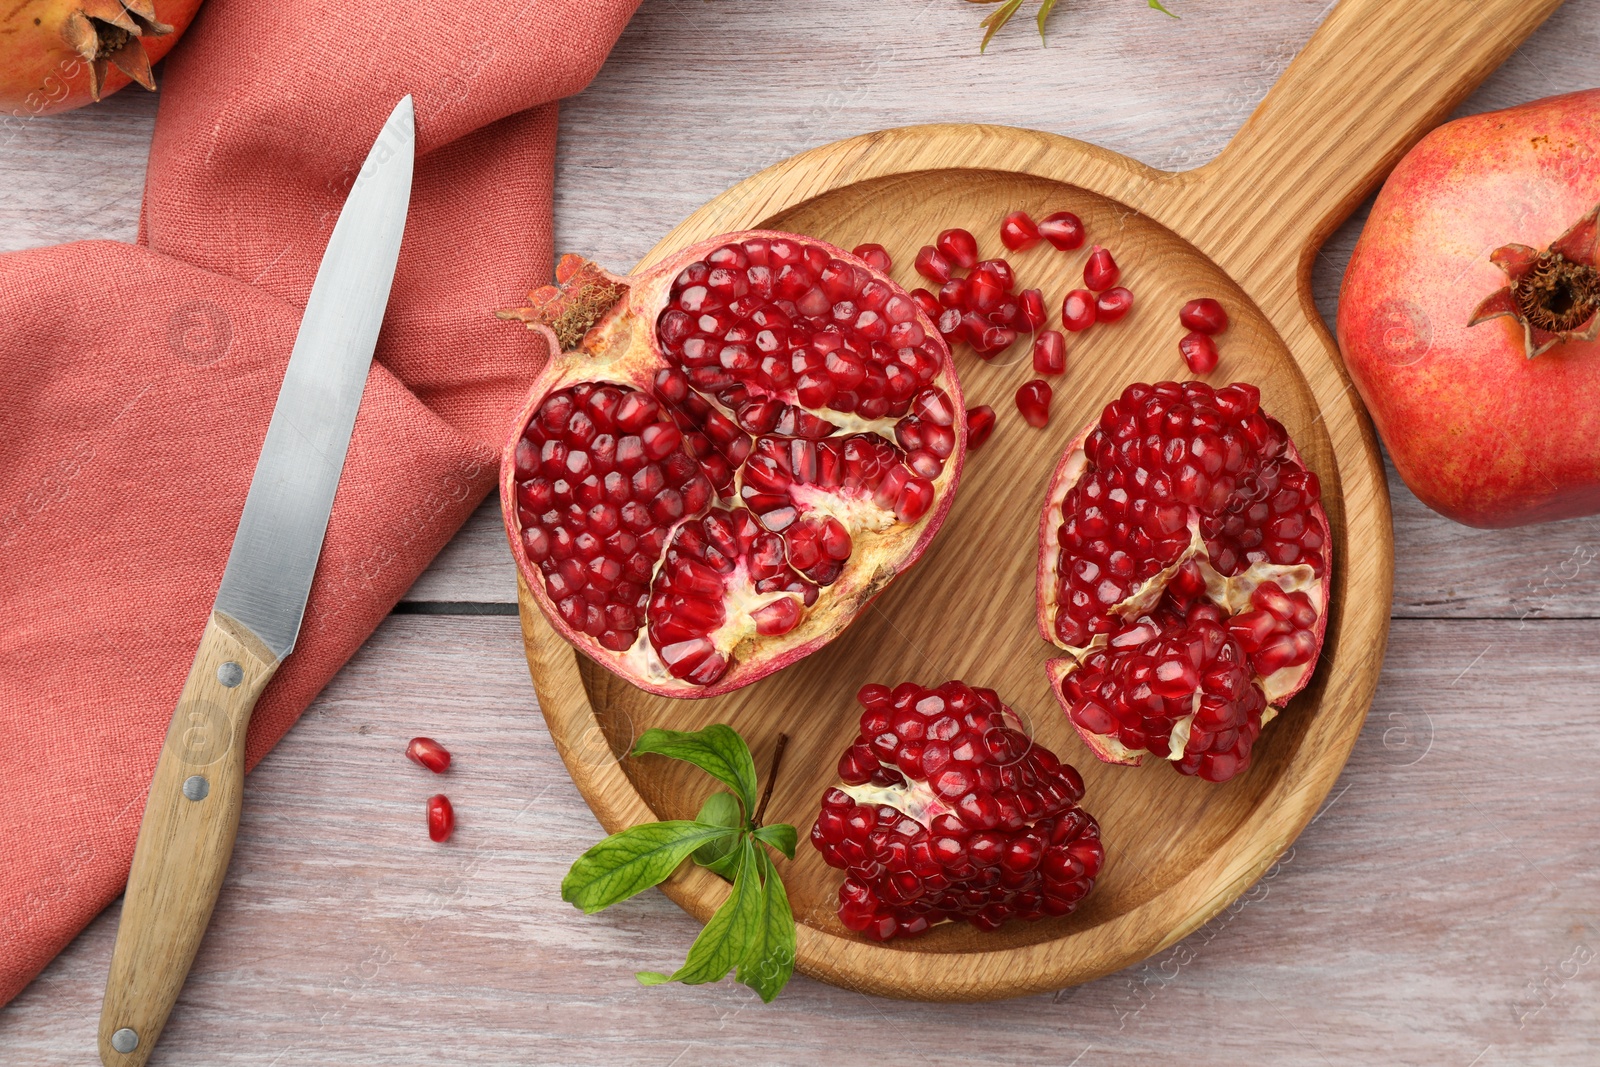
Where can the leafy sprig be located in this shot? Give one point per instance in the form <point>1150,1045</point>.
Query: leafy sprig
<point>1002,15</point>
<point>753,932</point>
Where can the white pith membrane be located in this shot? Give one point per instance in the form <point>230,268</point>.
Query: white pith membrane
<point>913,798</point>
<point>1231,593</point>
<point>621,348</point>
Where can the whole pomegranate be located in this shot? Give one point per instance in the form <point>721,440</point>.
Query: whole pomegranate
<point>950,812</point>
<point>735,451</point>
<point>1470,314</point>
<point>56,55</point>
<point>1184,560</point>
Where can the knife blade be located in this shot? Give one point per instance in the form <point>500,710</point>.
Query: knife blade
<point>192,812</point>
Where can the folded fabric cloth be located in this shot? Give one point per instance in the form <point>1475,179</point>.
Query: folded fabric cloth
<point>136,382</point>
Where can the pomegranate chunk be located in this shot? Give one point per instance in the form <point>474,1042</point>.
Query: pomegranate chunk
<point>1184,561</point>
<point>737,449</point>
<point>949,812</point>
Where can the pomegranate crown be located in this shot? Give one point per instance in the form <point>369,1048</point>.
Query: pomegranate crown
<point>109,32</point>
<point>1554,294</point>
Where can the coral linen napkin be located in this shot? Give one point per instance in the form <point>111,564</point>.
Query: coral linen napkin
<point>136,382</point>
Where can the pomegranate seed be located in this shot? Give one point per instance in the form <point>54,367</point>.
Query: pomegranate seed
<point>959,246</point>
<point>1199,352</point>
<point>927,302</point>
<point>932,264</point>
<point>997,339</point>
<point>980,424</point>
<point>1018,231</point>
<point>1000,270</point>
<point>1113,304</point>
<point>441,817</point>
<point>953,293</point>
<point>1062,229</point>
<point>876,257</point>
<point>1078,310</point>
<point>1050,352</point>
<point>1033,400</point>
<point>1100,271</point>
<point>1031,307</point>
<point>1203,316</point>
<point>427,752</point>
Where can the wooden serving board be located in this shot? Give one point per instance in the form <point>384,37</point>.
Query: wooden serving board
<point>1244,229</point>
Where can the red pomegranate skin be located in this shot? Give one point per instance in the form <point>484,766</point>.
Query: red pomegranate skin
<point>1480,432</point>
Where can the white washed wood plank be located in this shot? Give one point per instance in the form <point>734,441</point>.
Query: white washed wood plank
<point>1442,907</point>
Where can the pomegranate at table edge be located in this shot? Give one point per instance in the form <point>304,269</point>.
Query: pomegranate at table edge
<point>1184,567</point>
<point>1437,338</point>
<point>56,55</point>
<point>731,454</point>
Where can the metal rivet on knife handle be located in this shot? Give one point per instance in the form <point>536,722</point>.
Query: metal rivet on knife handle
<point>124,1040</point>
<point>195,787</point>
<point>230,674</point>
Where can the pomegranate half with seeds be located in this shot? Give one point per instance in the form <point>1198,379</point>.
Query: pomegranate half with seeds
<point>949,811</point>
<point>1184,560</point>
<point>733,453</point>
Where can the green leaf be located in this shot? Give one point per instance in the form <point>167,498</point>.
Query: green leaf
<point>1044,13</point>
<point>720,809</point>
<point>718,750</point>
<point>726,938</point>
<point>998,18</point>
<point>768,963</point>
<point>652,977</point>
<point>1158,6</point>
<point>633,860</point>
<point>780,836</point>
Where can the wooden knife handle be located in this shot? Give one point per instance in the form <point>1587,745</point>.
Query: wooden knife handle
<point>185,840</point>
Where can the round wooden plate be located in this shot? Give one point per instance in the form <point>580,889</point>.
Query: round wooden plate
<point>1241,229</point>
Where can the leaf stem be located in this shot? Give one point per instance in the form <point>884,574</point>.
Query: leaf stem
<point>772,777</point>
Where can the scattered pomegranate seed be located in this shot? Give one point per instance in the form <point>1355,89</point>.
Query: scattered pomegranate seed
<point>1050,353</point>
<point>1018,231</point>
<point>1203,316</point>
<point>932,264</point>
<point>1101,271</point>
<point>441,817</point>
<point>1031,302</point>
<point>958,246</point>
<point>877,257</point>
<point>1001,270</point>
<point>953,293</point>
<point>996,339</point>
<point>1062,229</point>
<point>927,302</point>
<point>1199,352</point>
<point>428,753</point>
<point>1033,400</point>
<point>1078,310</point>
<point>1113,304</point>
<point>980,424</point>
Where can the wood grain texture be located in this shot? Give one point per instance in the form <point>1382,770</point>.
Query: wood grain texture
<point>186,838</point>
<point>1244,228</point>
<point>1433,914</point>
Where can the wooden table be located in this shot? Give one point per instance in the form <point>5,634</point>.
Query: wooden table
<point>1443,908</point>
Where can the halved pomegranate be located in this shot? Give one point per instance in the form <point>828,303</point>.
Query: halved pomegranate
<point>1184,560</point>
<point>735,451</point>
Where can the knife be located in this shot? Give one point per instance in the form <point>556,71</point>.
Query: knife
<point>192,812</point>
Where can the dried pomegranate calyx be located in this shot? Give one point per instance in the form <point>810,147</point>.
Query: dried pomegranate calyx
<point>1554,294</point>
<point>108,32</point>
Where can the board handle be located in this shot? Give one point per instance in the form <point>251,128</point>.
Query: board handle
<point>1373,79</point>
<point>185,840</point>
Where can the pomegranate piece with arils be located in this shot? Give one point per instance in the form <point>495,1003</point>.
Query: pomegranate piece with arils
<point>950,812</point>
<point>732,453</point>
<point>1184,567</point>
